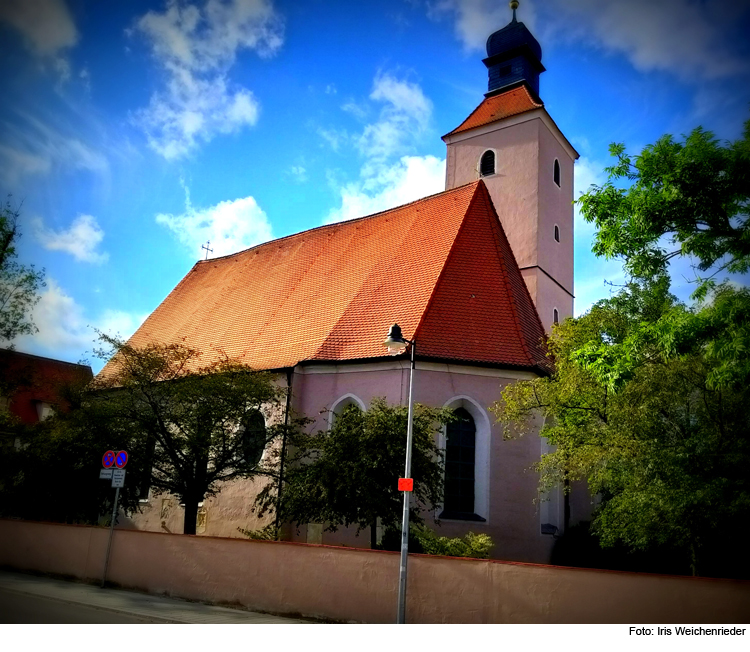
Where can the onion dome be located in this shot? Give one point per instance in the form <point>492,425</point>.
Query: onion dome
<point>513,56</point>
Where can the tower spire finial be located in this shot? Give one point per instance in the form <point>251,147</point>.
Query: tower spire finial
<point>514,5</point>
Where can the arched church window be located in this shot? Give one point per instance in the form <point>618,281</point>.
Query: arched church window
<point>487,163</point>
<point>557,233</point>
<point>253,433</point>
<point>556,173</point>
<point>348,401</point>
<point>460,449</point>
<point>555,316</point>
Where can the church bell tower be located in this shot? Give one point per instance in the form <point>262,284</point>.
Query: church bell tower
<point>514,146</point>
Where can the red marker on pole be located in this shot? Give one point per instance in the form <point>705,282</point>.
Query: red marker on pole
<point>406,484</point>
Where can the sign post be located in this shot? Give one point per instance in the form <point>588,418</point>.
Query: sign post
<point>110,459</point>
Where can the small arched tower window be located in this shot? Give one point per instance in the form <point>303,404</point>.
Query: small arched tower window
<point>487,163</point>
<point>555,316</point>
<point>557,233</point>
<point>556,173</point>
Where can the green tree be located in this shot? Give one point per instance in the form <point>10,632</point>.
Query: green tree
<point>194,425</point>
<point>665,449</point>
<point>53,474</point>
<point>686,198</point>
<point>349,474</point>
<point>694,195</point>
<point>19,284</point>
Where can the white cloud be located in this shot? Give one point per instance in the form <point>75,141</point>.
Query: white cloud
<point>299,173</point>
<point>64,329</point>
<point>46,25</point>
<point>334,137</point>
<point>34,147</point>
<point>357,110</point>
<point>404,117</point>
<point>475,20</point>
<point>230,226</point>
<point>80,240</point>
<point>683,37</point>
<point>18,163</point>
<point>390,175</point>
<point>119,323</point>
<point>411,178</point>
<point>196,47</point>
<point>47,28</point>
<point>587,172</point>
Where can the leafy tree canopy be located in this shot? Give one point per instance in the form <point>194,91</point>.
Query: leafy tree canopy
<point>696,196</point>
<point>646,401</point>
<point>53,474</point>
<point>19,284</point>
<point>194,425</point>
<point>692,195</point>
<point>349,474</point>
<point>665,449</point>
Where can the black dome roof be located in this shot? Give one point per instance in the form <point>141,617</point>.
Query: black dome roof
<point>513,35</point>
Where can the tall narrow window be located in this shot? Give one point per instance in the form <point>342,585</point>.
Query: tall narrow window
<point>557,173</point>
<point>253,432</point>
<point>459,466</point>
<point>555,316</point>
<point>487,163</point>
<point>557,233</point>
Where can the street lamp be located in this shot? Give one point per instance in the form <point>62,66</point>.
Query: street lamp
<point>397,344</point>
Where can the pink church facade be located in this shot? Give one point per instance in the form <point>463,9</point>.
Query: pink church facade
<point>493,255</point>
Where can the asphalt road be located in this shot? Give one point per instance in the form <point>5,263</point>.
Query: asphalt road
<point>33,599</point>
<point>25,609</point>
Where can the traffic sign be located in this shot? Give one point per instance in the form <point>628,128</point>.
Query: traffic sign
<point>108,461</point>
<point>406,484</point>
<point>118,478</point>
<point>105,474</point>
<point>121,459</point>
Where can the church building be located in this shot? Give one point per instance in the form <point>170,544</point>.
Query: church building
<point>476,275</point>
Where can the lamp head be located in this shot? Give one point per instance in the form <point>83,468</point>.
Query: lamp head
<point>395,341</point>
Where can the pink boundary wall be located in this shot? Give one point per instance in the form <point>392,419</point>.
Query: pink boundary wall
<point>355,585</point>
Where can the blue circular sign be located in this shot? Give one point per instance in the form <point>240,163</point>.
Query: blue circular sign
<point>108,460</point>
<point>121,459</point>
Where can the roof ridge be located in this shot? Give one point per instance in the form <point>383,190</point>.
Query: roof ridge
<point>45,358</point>
<point>343,315</point>
<point>525,289</point>
<point>335,224</point>
<point>494,98</point>
<point>508,286</point>
<point>479,183</point>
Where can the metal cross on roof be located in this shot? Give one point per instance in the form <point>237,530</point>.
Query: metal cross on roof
<point>207,248</point>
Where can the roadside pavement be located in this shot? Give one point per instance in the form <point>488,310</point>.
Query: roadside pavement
<point>140,606</point>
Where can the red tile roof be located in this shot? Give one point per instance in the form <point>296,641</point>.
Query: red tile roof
<point>31,379</point>
<point>440,267</point>
<point>496,107</point>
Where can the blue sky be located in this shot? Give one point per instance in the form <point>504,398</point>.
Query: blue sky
<point>134,132</point>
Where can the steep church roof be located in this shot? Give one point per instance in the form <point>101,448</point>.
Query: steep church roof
<point>441,267</point>
<point>497,107</point>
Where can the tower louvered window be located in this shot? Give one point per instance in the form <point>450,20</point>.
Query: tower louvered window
<point>487,163</point>
<point>459,466</point>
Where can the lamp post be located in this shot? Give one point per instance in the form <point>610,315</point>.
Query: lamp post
<point>397,344</point>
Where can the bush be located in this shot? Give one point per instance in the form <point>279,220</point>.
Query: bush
<point>267,533</point>
<point>423,540</point>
